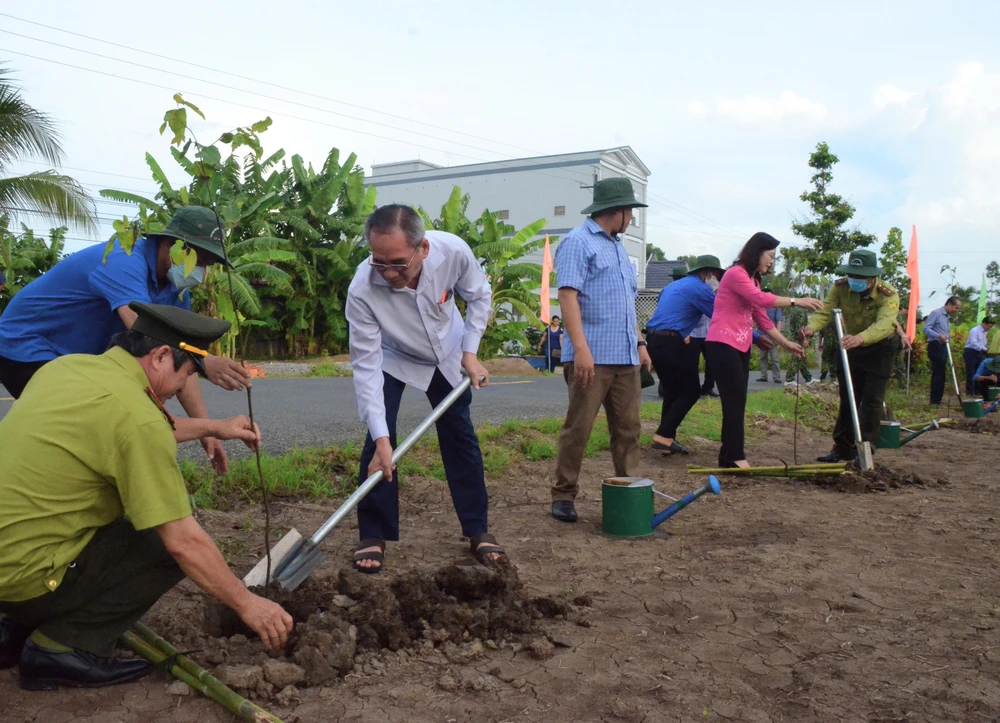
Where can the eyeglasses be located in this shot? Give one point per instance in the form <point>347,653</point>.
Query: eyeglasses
<point>398,268</point>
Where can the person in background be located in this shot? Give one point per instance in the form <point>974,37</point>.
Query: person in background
<point>79,304</point>
<point>681,306</point>
<point>975,352</point>
<point>769,357</point>
<point>738,303</point>
<point>603,353</point>
<point>985,376</point>
<point>871,337</point>
<point>827,353</point>
<point>938,331</point>
<point>553,337</point>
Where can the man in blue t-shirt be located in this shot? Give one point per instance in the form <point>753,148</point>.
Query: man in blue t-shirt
<point>77,306</point>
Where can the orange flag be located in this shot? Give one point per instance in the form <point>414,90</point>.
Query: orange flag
<point>914,273</point>
<point>545,314</point>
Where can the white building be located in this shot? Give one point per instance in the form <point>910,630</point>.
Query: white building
<point>523,190</point>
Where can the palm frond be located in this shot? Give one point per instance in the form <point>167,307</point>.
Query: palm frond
<point>48,193</point>
<point>24,131</point>
<point>126,197</point>
<point>258,244</point>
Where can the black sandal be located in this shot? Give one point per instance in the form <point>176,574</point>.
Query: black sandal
<point>491,548</point>
<point>669,449</point>
<point>377,556</point>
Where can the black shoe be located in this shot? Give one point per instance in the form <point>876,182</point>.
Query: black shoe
<point>43,669</point>
<point>834,457</point>
<point>709,393</point>
<point>564,511</point>
<point>762,379</point>
<point>12,639</point>
<point>822,377</point>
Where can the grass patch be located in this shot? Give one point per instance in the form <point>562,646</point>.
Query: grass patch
<point>329,369</point>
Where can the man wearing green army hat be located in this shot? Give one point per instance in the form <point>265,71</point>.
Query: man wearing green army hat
<point>77,306</point>
<point>602,356</point>
<point>95,524</point>
<point>870,307</point>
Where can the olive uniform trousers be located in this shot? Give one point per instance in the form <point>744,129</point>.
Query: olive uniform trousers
<point>119,575</point>
<point>871,368</point>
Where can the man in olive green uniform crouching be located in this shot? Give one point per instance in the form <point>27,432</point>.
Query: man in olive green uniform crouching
<point>95,523</point>
<point>870,307</point>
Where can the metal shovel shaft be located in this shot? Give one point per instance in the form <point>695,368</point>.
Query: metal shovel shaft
<point>839,323</point>
<point>954,376</point>
<point>351,502</point>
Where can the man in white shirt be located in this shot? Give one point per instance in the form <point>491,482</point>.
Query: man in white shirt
<point>406,329</point>
<point>975,352</point>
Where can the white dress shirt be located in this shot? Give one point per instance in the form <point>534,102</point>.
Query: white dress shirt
<point>977,338</point>
<point>410,333</point>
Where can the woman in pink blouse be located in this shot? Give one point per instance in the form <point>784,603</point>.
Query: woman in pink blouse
<point>739,303</point>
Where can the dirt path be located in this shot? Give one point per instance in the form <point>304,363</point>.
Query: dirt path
<point>778,601</point>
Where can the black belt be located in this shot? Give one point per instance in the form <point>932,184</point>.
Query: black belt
<point>665,332</point>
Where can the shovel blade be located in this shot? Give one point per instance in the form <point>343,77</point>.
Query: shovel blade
<point>257,576</point>
<point>865,457</point>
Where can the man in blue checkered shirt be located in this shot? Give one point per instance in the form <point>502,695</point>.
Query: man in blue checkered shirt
<point>602,354</point>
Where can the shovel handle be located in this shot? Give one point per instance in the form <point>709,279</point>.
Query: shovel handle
<point>838,321</point>
<point>359,494</point>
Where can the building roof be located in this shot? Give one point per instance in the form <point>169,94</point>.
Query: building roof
<point>659,273</point>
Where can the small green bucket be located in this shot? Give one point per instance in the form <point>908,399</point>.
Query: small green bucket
<point>627,507</point>
<point>888,435</point>
<point>992,393</point>
<point>973,408</point>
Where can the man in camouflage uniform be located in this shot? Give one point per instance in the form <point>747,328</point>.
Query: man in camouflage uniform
<point>870,307</point>
<point>796,318</point>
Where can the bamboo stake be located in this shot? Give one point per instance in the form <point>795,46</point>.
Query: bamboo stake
<point>194,675</point>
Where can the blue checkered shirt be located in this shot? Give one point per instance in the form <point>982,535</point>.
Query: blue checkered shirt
<point>596,265</point>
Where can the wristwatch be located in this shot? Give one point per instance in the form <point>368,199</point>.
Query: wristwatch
<point>792,301</point>
<point>641,343</point>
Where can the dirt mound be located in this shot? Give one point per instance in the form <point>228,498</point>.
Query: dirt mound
<point>350,620</point>
<point>983,425</point>
<point>509,367</point>
<point>880,479</point>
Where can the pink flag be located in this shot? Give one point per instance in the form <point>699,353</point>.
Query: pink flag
<point>545,314</point>
<point>914,273</point>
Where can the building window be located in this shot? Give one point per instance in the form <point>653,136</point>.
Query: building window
<point>634,221</point>
<point>560,211</point>
<point>504,215</point>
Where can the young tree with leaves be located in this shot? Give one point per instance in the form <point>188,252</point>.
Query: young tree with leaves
<point>826,231</point>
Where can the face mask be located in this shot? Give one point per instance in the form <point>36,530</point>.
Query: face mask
<point>858,285</point>
<point>713,283</point>
<point>176,277</point>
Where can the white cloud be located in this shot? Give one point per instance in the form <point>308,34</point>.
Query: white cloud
<point>755,110</point>
<point>888,94</point>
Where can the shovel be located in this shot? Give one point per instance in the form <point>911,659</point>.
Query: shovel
<point>295,558</point>
<point>864,449</point>
<point>954,377</point>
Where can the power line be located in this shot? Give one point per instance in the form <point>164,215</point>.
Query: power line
<point>236,103</point>
<point>686,211</point>
<point>250,92</point>
<point>133,49</point>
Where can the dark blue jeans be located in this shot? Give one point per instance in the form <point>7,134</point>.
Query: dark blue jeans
<point>938,356</point>
<point>378,513</point>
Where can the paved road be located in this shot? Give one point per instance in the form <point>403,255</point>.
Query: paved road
<point>310,411</point>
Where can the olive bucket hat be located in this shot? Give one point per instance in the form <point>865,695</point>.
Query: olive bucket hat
<point>613,193</point>
<point>679,272</point>
<point>861,263</point>
<point>197,226</point>
<point>706,261</point>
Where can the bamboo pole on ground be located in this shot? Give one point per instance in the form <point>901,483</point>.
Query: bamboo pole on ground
<point>158,651</point>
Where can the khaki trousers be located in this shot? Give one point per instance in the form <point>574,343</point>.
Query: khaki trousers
<point>616,386</point>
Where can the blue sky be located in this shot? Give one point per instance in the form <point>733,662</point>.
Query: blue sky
<point>723,101</point>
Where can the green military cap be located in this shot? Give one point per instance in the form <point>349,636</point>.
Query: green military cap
<point>706,261</point>
<point>613,193</point>
<point>199,227</point>
<point>179,328</point>
<point>861,262</point>
<point>678,272</point>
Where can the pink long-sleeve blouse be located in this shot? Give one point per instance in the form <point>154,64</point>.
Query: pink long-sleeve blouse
<point>739,303</point>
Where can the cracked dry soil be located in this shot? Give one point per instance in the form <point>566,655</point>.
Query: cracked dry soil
<point>779,600</point>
